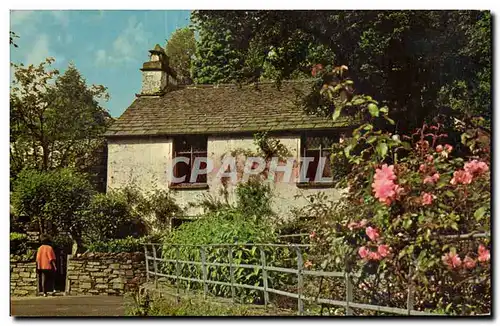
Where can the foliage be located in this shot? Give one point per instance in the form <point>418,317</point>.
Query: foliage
<point>180,48</point>
<point>155,208</point>
<point>215,61</point>
<point>443,53</point>
<point>195,306</point>
<point>20,247</point>
<point>229,50</point>
<point>109,216</point>
<point>128,244</point>
<point>53,198</point>
<point>12,37</point>
<point>224,226</point>
<point>407,194</point>
<point>17,243</point>
<point>254,199</point>
<point>161,206</point>
<point>270,147</point>
<point>55,120</point>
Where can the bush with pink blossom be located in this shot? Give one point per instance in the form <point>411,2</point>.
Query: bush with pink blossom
<point>409,197</point>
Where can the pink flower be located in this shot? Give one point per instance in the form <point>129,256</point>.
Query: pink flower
<point>312,235</point>
<point>363,252</point>
<point>352,225</point>
<point>483,253</point>
<point>383,250</point>
<point>432,179</point>
<point>427,198</point>
<point>385,172</point>
<point>316,68</point>
<point>462,177</point>
<point>439,148</point>
<point>399,191</point>
<point>372,233</point>
<point>448,148</point>
<point>428,179</point>
<point>476,167</point>
<point>469,263</point>
<point>384,190</point>
<point>452,260</point>
<point>308,264</point>
<point>374,256</point>
<point>429,158</point>
<point>422,168</point>
<point>383,185</point>
<point>356,225</point>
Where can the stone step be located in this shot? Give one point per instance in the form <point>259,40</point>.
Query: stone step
<point>52,294</point>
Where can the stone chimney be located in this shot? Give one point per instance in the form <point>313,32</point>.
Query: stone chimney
<point>157,76</point>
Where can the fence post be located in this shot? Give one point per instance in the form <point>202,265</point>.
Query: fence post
<point>348,293</point>
<point>264,274</point>
<point>300,281</point>
<point>177,273</point>
<point>155,266</point>
<point>410,299</point>
<point>204,271</point>
<point>231,272</point>
<point>147,261</point>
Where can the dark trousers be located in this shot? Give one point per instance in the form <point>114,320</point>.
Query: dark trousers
<point>47,278</point>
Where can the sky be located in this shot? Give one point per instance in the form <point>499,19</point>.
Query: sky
<point>107,47</point>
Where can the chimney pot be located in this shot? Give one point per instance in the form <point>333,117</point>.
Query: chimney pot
<point>156,74</point>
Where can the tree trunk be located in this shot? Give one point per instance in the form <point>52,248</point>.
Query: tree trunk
<point>45,162</point>
<point>41,226</point>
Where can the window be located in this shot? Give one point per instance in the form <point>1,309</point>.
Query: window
<point>190,147</point>
<point>315,146</point>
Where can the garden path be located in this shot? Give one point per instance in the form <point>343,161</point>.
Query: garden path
<point>68,306</point>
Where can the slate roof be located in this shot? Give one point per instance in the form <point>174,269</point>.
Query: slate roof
<point>210,109</point>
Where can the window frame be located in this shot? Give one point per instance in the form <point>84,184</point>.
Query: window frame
<point>192,153</point>
<point>334,136</point>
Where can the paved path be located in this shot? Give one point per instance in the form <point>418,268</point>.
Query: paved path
<point>97,305</point>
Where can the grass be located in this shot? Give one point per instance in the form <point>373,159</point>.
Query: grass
<point>168,306</point>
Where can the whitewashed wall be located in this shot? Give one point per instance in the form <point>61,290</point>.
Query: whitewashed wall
<point>144,162</point>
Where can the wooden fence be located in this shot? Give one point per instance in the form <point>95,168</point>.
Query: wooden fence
<point>153,258</point>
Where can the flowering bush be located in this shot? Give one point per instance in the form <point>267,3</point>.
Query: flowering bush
<point>409,197</point>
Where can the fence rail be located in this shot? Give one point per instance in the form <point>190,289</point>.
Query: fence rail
<point>264,268</point>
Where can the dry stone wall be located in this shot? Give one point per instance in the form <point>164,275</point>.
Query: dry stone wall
<point>23,278</point>
<point>105,273</point>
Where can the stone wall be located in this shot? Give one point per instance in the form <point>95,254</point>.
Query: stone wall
<point>23,279</point>
<point>105,273</point>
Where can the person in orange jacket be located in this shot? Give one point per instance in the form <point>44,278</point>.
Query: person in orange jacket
<point>46,264</point>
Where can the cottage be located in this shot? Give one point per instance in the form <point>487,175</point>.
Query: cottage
<point>209,123</point>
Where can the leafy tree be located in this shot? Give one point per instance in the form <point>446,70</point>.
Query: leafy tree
<point>230,51</point>
<point>180,48</point>
<point>56,121</point>
<point>215,60</point>
<point>407,58</point>
<point>53,199</point>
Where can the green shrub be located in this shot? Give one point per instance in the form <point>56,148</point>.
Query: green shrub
<point>53,199</point>
<point>162,206</point>
<point>18,243</point>
<point>128,244</point>
<point>110,216</point>
<point>254,198</point>
<point>223,227</point>
<point>20,248</point>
